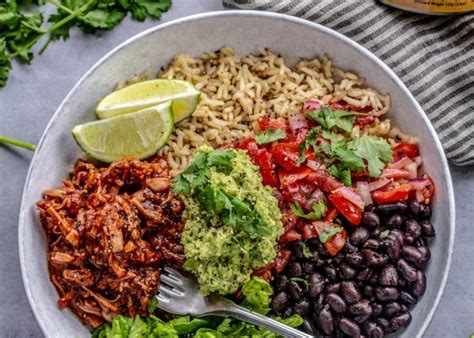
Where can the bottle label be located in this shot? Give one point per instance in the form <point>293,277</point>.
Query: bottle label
<point>434,6</point>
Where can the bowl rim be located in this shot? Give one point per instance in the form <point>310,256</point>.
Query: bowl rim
<point>246,13</point>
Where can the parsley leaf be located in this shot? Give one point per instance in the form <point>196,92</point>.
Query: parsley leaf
<point>329,118</point>
<point>319,209</point>
<point>329,233</point>
<point>305,249</point>
<point>270,135</point>
<point>375,151</point>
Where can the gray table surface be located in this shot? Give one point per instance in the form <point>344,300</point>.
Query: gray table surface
<point>34,92</point>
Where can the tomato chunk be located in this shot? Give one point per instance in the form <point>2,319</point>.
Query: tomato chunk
<point>289,177</point>
<point>285,155</point>
<point>326,182</point>
<point>280,123</point>
<point>393,195</point>
<point>335,244</point>
<point>406,149</point>
<point>348,209</point>
<point>263,159</point>
<point>364,120</point>
<point>281,259</point>
<point>289,236</point>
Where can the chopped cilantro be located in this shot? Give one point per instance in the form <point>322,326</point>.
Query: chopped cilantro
<point>152,305</point>
<point>270,135</point>
<point>346,177</point>
<point>298,279</point>
<point>375,151</point>
<point>319,209</point>
<point>329,118</point>
<point>305,249</point>
<point>329,233</point>
<point>309,141</point>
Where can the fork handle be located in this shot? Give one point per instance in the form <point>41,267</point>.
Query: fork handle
<point>239,312</point>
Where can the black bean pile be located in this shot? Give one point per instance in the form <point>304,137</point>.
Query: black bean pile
<point>367,289</point>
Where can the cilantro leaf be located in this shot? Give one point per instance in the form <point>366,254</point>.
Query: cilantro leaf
<point>329,118</point>
<point>346,177</point>
<point>329,233</point>
<point>5,64</point>
<point>103,19</point>
<point>319,209</point>
<point>309,141</point>
<point>375,151</point>
<point>270,135</point>
<point>305,249</point>
<point>298,279</point>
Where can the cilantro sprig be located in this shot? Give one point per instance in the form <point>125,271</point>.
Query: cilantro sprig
<point>270,135</point>
<point>20,30</point>
<point>328,118</point>
<point>234,212</point>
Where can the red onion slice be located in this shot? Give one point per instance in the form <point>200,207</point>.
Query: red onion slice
<point>311,105</point>
<point>297,121</point>
<point>412,169</point>
<point>364,192</point>
<point>419,183</point>
<point>379,184</point>
<point>352,196</point>
<point>400,163</point>
<point>313,165</point>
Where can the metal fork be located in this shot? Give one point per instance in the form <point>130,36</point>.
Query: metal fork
<point>181,296</point>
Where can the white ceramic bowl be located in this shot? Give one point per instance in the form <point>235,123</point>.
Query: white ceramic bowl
<point>246,31</point>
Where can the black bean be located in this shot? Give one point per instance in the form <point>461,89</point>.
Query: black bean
<point>368,291</point>
<point>409,239</point>
<point>393,248</point>
<point>346,272</point>
<point>374,258</point>
<point>317,260</point>
<point>425,212</point>
<point>373,330</point>
<point>396,234</point>
<point>355,259</point>
<point>279,301</point>
<point>318,304</point>
<point>412,254</point>
<point>338,259</point>
<point>308,267</point>
<point>309,327</point>
<point>323,252</point>
<point>361,308</point>
<point>372,244</point>
<point>361,319</point>
<point>386,294</point>
<point>371,219</point>
<point>408,272</point>
<point>326,321</point>
<point>295,269</point>
<point>401,320</point>
<point>364,274</point>
<point>415,207</point>
<point>302,307</point>
<point>395,221</point>
<point>376,309</point>
<point>427,228</point>
<point>350,248</point>
<point>334,287</point>
<point>315,284</point>
<point>384,324</point>
<point>418,287</point>
<point>295,290</point>
<point>336,303</point>
<point>331,273</point>
<point>350,292</point>
<point>402,283</point>
<point>412,228</point>
<point>280,283</point>
<point>359,236</point>
<point>391,309</point>
<point>391,208</point>
<point>388,276</point>
<point>375,233</point>
<point>420,241</point>
<point>425,251</point>
<point>407,298</point>
<point>297,250</point>
<point>349,327</point>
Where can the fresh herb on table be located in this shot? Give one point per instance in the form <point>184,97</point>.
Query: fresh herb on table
<point>319,209</point>
<point>270,135</point>
<point>329,233</point>
<point>20,30</point>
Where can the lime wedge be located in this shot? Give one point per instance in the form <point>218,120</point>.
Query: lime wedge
<point>146,94</point>
<point>138,135</point>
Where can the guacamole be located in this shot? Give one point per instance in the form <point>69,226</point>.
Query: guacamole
<point>232,220</point>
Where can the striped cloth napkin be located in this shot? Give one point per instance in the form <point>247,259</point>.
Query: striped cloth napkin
<point>434,56</point>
